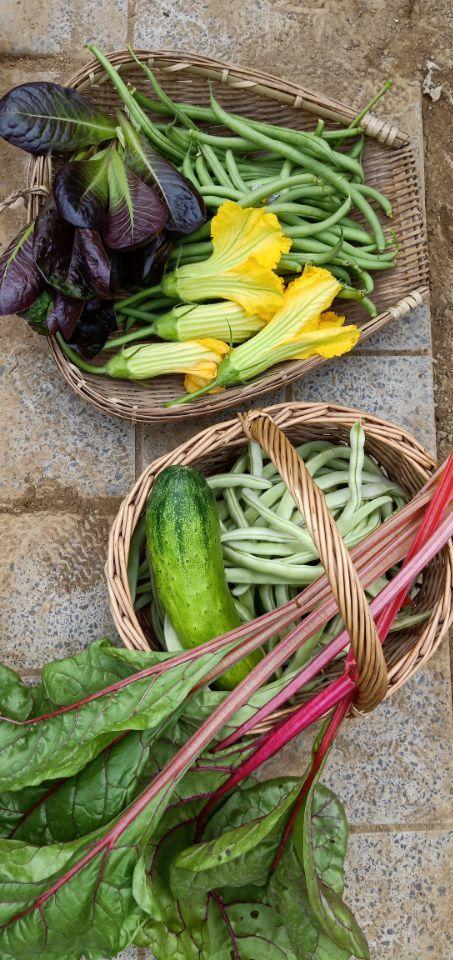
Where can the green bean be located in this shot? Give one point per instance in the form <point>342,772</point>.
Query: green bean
<point>287,265</point>
<point>357,148</point>
<point>133,562</point>
<point>364,188</point>
<point>264,534</point>
<point>407,620</point>
<point>143,601</point>
<point>312,165</point>
<point>276,571</point>
<point>243,613</point>
<point>234,508</point>
<point>277,523</point>
<point>347,523</point>
<point>306,229</point>
<point>256,460</point>
<point>241,589</point>
<point>226,480</point>
<point>216,167</point>
<point>267,598</point>
<point>233,171</point>
<point>261,549</point>
<point>222,143</point>
<point>357,443</point>
<point>202,173</point>
<point>286,506</point>
<point>188,170</point>
<point>351,231</point>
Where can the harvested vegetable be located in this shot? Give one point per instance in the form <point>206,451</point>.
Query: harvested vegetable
<point>183,538</point>
<point>125,812</point>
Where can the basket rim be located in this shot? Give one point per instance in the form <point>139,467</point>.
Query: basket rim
<point>231,433</point>
<point>96,390</point>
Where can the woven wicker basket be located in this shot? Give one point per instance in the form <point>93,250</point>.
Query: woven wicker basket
<point>396,451</point>
<point>389,165</point>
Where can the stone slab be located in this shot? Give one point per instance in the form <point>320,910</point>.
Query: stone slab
<point>396,388</point>
<point>53,439</point>
<point>399,887</point>
<point>410,334</point>
<point>59,25</point>
<point>53,597</point>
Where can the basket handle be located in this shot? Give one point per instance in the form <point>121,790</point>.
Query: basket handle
<point>372,679</point>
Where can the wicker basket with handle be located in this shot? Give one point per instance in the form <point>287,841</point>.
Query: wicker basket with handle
<point>277,429</point>
<point>389,165</point>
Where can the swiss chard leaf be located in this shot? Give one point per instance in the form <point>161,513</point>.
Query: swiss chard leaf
<point>288,891</point>
<point>250,826</point>
<point>20,280</point>
<point>98,320</point>
<point>15,697</point>
<point>331,913</point>
<point>136,213</point>
<point>64,314</point>
<point>59,254</point>
<point>70,736</point>
<point>81,191</point>
<point>244,931</point>
<point>329,836</point>
<point>43,117</point>
<point>88,880</point>
<point>187,210</point>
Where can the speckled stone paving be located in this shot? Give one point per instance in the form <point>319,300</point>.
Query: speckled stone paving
<point>64,467</point>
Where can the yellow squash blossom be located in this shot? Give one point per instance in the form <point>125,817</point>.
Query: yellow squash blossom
<point>223,321</point>
<point>247,245</point>
<point>301,328</point>
<point>198,358</point>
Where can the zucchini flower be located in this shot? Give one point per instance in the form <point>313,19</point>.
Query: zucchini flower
<point>195,358</point>
<point>247,245</point>
<point>301,328</point>
<point>223,321</point>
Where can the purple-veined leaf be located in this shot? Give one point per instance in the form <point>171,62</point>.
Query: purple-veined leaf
<point>59,255</point>
<point>97,321</point>
<point>96,260</point>
<point>64,314</point>
<point>41,117</point>
<point>187,210</point>
<point>81,191</point>
<point>136,213</point>
<point>141,267</point>
<point>20,280</point>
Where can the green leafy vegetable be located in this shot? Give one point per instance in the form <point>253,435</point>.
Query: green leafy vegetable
<point>15,697</point>
<point>81,191</point>
<point>136,213</point>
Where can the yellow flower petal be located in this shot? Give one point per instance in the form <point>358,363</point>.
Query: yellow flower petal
<point>256,288</point>
<point>216,346</point>
<point>330,319</point>
<point>239,233</point>
<point>330,342</point>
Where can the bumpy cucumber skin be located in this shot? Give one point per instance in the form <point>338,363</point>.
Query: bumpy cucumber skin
<point>183,537</point>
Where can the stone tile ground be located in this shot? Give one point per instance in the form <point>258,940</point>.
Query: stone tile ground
<point>63,467</point>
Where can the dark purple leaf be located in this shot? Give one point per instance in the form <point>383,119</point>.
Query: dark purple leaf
<point>42,117</point>
<point>20,280</point>
<point>142,266</point>
<point>98,320</point>
<point>187,210</point>
<point>64,314</point>
<point>81,191</point>
<point>96,260</point>
<point>59,254</point>
<point>136,213</point>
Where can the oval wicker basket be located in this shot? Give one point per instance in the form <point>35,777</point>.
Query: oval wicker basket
<point>396,451</point>
<point>389,165</point>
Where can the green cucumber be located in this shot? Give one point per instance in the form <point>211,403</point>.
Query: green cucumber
<point>183,536</point>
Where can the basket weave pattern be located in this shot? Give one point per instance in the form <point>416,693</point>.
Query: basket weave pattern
<point>396,451</point>
<point>389,165</point>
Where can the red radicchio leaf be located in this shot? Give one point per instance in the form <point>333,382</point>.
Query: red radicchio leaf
<point>20,280</point>
<point>64,314</point>
<point>96,260</point>
<point>59,255</point>
<point>81,191</point>
<point>136,213</point>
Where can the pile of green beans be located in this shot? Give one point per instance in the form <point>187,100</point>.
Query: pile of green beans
<point>313,181</point>
<point>268,553</point>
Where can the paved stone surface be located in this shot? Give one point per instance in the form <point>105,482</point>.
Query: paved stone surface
<point>53,598</point>
<point>398,886</point>
<point>396,388</point>
<point>59,25</point>
<point>410,334</point>
<point>59,441</point>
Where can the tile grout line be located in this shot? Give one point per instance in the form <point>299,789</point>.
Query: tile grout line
<point>440,826</point>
